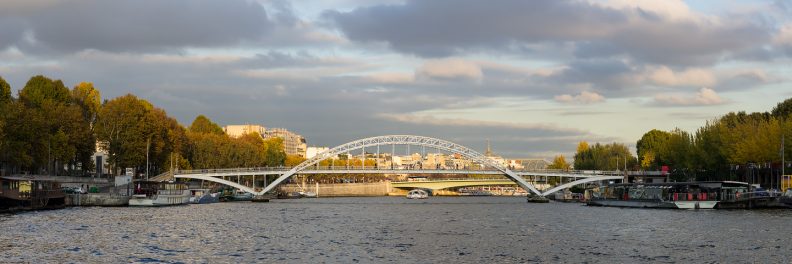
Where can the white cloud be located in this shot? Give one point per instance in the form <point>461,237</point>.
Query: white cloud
<point>784,36</point>
<point>671,9</point>
<point>690,77</point>
<point>585,97</point>
<point>435,121</point>
<point>705,96</point>
<point>449,69</point>
<point>390,77</point>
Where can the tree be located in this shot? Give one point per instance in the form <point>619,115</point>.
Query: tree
<point>582,146</point>
<point>276,156</point>
<point>604,157</point>
<point>583,158</point>
<point>5,104</point>
<point>40,90</point>
<point>5,92</point>
<point>656,143</point>
<point>167,141</point>
<point>202,124</point>
<point>52,129</point>
<point>294,160</point>
<point>89,99</point>
<point>120,130</point>
<point>559,163</point>
<point>783,109</point>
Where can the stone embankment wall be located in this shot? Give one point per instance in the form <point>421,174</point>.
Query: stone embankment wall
<point>342,189</point>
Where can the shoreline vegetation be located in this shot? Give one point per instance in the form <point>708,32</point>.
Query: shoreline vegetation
<point>738,146</point>
<point>51,129</point>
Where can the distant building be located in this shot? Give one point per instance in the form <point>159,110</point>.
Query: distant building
<point>530,164</point>
<point>293,144</point>
<point>101,161</point>
<point>236,131</point>
<point>494,158</point>
<point>311,152</point>
<point>435,161</point>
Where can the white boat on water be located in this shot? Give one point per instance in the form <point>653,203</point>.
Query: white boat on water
<point>150,193</point>
<point>308,194</point>
<point>203,196</point>
<point>417,194</point>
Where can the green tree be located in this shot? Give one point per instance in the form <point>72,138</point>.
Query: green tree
<point>5,104</point>
<point>275,154</point>
<point>52,130</point>
<point>40,90</point>
<point>167,141</point>
<point>604,157</point>
<point>121,131</point>
<point>202,124</point>
<point>5,92</point>
<point>783,109</point>
<point>653,145</point>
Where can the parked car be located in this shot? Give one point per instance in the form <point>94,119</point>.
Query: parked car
<point>73,190</point>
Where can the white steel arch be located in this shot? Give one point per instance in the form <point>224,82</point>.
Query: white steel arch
<point>217,180</point>
<point>581,181</point>
<point>403,140</point>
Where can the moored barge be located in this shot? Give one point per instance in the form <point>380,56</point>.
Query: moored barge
<point>18,193</point>
<point>674,195</point>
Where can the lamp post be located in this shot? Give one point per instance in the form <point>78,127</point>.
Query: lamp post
<point>148,146</point>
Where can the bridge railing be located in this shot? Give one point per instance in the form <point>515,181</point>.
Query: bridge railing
<point>231,170</point>
<point>413,168</point>
<point>455,179</point>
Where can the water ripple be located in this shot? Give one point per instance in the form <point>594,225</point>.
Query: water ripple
<point>393,230</point>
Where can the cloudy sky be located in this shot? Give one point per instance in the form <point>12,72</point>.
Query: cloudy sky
<point>535,77</point>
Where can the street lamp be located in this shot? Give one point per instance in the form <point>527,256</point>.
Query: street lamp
<point>148,146</point>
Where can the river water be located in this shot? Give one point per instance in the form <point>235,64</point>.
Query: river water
<point>395,230</point>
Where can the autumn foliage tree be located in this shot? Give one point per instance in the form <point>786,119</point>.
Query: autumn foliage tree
<point>210,147</point>
<point>130,129</point>
<point>51,129</point>
<point>44,129</point>
<point>725,148</point>
<point>559,163</point>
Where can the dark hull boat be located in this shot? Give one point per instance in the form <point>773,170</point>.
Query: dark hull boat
<point>674,195</point>
<point>19,193</point>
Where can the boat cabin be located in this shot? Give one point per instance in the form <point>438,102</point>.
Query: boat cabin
<point>26,193</point>
<point>151,188</point>
<point>673,191</point>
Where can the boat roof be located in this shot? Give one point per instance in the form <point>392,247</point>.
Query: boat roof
<point>680,183</point>
<point>24,178</point>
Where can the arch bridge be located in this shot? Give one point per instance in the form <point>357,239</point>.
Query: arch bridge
<point>310,166</point>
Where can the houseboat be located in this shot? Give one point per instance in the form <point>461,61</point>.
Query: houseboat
<point>152,193</point>
<point>23,193</point>
<point>673,195</point>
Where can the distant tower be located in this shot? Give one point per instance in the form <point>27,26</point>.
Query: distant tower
<point>489,149</point>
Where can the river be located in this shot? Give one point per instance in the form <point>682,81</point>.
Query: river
<point>395,230</point>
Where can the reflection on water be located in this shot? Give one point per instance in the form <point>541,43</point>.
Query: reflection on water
<point>349,230</point>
